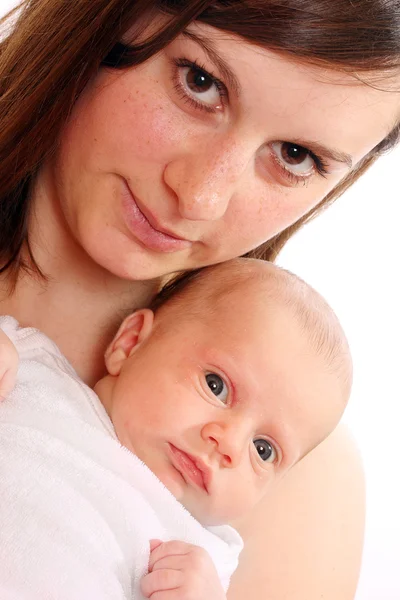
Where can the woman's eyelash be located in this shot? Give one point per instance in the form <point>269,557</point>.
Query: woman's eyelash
<point>220,86</point>
<point>320,165</point>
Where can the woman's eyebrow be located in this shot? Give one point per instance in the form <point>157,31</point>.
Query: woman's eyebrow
<point>219,62</point>
<point>330,153</point>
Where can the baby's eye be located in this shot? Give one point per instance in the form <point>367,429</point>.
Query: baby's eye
<point>218,386</point>
<point>265,450</point>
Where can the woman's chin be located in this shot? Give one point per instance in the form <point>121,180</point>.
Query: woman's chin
<point>125,258</point>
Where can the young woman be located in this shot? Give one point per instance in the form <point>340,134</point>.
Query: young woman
<point>142,138</point>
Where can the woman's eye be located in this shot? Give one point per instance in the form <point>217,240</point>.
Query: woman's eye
<point>294,158</point>
<point>217,386</point>
<point>198,86</point>
<point>265,450</point>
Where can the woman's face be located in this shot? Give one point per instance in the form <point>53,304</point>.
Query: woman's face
<point>206,151</point>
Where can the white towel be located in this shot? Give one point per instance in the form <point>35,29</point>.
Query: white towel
<point>77,510</point>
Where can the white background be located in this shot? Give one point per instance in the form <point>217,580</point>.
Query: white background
<point>351,255</point>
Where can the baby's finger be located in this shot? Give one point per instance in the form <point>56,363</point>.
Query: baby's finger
<point>7,383</point>
<point>160,580</point>
<point>168,549</point>
<point>177,562</point>
<point>154,544</point>
<point>164,595</point>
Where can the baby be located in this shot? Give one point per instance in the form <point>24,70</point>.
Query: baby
<point>211,395</point>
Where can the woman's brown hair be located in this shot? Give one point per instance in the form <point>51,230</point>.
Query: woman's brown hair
<point>50,49</point>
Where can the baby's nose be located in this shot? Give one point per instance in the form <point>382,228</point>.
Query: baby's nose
<point>227,442</point>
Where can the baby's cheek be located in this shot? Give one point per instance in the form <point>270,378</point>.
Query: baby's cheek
<point>125,432</point>
<point>235,501</point>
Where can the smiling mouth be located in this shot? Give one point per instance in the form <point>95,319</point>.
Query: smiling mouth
<point>145,229</point>
<point>192,470</point>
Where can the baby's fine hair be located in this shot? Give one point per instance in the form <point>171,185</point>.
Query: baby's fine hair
<point>193,293</point>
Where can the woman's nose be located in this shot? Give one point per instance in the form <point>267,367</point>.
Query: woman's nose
<point>205,178</point>
<point>227,440</point>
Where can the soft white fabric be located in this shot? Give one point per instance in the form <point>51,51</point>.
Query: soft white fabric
<point>77,510</point>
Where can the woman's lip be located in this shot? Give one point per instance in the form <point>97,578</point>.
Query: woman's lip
<point>191,468</point>
<point>145,231</point>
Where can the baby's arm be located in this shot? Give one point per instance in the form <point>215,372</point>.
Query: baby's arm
<point>181,571</point>
<point>8,365</point>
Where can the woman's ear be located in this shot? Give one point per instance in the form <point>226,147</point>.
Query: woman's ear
<point>133,331</point>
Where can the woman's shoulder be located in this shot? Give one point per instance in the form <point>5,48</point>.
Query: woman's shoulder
<point>305,538</point>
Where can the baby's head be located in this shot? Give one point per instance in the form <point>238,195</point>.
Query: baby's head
<point>231,380</point>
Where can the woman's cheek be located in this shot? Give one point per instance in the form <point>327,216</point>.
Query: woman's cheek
<point>150,125</point>
<point>259,214</point>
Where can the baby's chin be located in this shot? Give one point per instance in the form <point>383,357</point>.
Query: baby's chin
<point>211,516</point>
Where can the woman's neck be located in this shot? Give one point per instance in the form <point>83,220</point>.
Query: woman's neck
<point>79,305</point>
<point>81,320</point>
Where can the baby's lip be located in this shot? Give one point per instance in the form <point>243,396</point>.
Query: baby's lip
<point>191,467</point>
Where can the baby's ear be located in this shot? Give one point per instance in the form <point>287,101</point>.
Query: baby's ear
<point>133,331</point>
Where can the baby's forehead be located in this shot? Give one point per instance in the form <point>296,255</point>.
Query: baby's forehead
<point>224,299</point>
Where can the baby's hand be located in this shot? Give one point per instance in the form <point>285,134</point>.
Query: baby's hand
<point>8,365</point>
<point>180,571</point>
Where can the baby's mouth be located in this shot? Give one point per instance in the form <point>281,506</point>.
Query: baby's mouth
<point>192,469</point>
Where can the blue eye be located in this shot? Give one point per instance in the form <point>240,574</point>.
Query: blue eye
<point>217,386</point>
<point>265,450</point>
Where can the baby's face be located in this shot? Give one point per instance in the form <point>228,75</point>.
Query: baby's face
<point>220,406</point>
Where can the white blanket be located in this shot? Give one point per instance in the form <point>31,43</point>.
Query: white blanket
<point>77,510</point>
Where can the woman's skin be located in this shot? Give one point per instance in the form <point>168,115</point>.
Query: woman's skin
<point>209,166</point>
<point>305,540</point>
